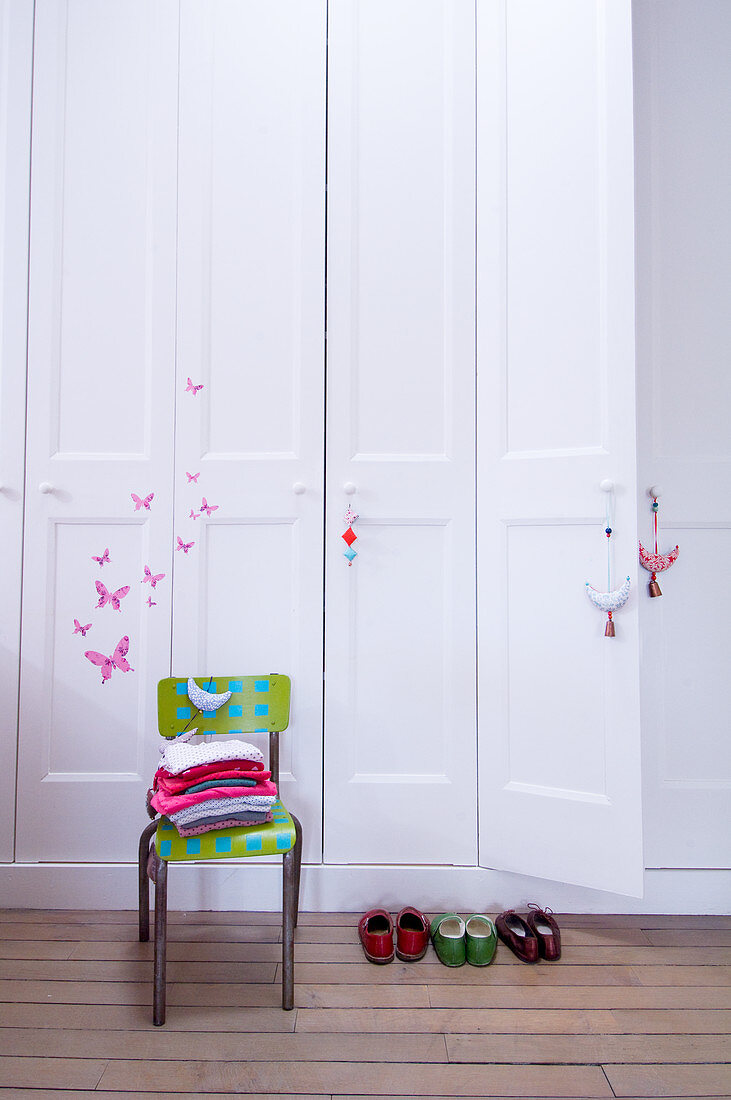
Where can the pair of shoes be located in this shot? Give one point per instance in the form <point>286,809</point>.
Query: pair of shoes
<point>376,929</point>
<point>457,941</point>
<point>532,936</point>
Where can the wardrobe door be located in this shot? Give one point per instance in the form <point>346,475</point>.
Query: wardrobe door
<point>100,422</point>
<point>559,701</point>
<point>16,52</point>
<point>400,784</point>
<point>684,394</point>
<point>250,377</point>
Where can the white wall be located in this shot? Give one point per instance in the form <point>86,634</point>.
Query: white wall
<point>682,54</point>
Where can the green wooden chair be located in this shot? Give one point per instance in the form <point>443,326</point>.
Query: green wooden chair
<point>258,704</point>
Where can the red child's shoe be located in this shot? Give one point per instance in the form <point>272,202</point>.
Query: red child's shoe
<point>412,934</point>
<point>375,929</point>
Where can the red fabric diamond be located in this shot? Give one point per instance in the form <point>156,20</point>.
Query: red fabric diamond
<point>350,536</point>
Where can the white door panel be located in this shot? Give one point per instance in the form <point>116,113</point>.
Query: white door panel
<point>559,711</point>
<point>100,424</point>
<point>248,593</point>
<point>16,51</point>
<point>684,397</point>
<point>400,630</point>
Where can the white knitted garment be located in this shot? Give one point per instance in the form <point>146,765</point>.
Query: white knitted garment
<point>178,757</point>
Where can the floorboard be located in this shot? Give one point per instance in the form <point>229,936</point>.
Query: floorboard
<point>637,1007</point>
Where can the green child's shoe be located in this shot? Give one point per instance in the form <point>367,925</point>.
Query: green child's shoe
<point>448,937</point>
<point>480,940</point>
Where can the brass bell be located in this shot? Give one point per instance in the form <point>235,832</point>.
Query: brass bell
<point>609,629</point>
<point>654,588</point>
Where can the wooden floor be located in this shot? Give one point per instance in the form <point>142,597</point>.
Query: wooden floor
<point>637,1007</point>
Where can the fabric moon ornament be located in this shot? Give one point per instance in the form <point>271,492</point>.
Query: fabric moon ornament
<point>609,602</point>
<point>206,700</point>
<point>656,563</point>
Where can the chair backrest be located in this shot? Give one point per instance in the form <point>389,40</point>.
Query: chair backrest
<point>258,704</point>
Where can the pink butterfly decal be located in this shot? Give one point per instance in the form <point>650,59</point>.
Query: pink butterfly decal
<point>151,602</point>
<point>207,508</point>
<point>105,596</point>
<point>192,477</point>
<point>193,514</point>
<point>79,629</point>
<point>184,546</point>
<point>153,578</point>
<point>104,558</point>
<point>142,503</point>
<point>191,388</point>
<point>117,660</point>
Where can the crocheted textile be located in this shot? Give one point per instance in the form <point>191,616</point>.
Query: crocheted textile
<point>177,757</point>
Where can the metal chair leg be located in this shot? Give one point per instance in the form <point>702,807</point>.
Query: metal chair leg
<point>161,927</point>
<point>298,867</point>
<point>291,867</point>
<point>288,877</point>
<point>144,882</point>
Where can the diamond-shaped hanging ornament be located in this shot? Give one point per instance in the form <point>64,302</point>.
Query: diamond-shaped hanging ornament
<point>350,517</point>
<point>350,536</point>
<point>350,553</point>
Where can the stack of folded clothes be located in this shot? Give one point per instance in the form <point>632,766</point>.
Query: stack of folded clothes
<point>217,785</point>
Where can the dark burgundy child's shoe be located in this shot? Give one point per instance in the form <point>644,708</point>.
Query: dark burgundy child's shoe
<point>375,929</point>
<point>545,930</point>
<point>516,933</point>
<point>412,934</point>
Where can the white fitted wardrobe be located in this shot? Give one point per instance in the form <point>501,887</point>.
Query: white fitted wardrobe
<point>286,258</point>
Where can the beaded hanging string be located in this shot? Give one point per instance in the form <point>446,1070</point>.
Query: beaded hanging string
<point>609,601</point>
<point>349,534</point>
<point>609,628</point>
<point>656,563</point>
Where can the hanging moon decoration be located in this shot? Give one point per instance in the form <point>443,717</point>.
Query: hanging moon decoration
<point>656,563</point>
<point>206,700</point>
<point>609,602</point>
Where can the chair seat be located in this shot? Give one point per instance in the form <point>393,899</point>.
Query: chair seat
<point>274,838</point>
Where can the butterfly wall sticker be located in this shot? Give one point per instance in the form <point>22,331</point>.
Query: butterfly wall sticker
<point>192,388</point>
<point>150,602</point>
<point>192,477</point>
<point>104,558</point>
<point>142,502</point>
<point>79,629</point>
<point>117,660</point>
<point>194,514</point>
<point>184,546</point>
<point>208,508</point>
<point>113,598</point>
<point>151,578</point>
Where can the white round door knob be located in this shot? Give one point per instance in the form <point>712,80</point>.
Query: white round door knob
<point>299,488</point>
<point>45,487</point>
<point>606,485</point>
<point>349,488</point>
<point>654,491</point>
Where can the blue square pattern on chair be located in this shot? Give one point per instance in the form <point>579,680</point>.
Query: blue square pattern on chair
<point>235,711</point>
<point>283,842</point>
<point>253,843</point>
<point>181,689</point>
<point>183,712</point>
<point>261,685</point>
<point>165,846</point>
<point>193,846</point>
<point>261,708</point>
<point>166,826</point>
<point>223,843</point>
<point>236,685</point>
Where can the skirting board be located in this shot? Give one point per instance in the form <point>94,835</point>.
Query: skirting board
<point>244,885</point>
